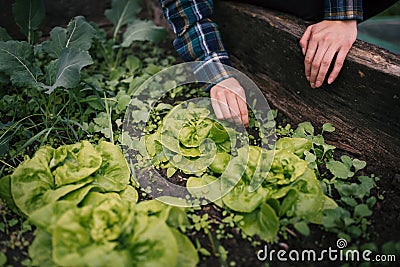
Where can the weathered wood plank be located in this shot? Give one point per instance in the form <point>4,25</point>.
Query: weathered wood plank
<point>363,104</point>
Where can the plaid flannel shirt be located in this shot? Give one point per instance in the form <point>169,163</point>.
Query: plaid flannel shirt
<point>198,38</point>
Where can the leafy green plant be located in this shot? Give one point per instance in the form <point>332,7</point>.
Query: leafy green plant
<point>339,180</point>
<point>289,189</point>
<point>108,230</point>
<point>66,173</point>
<point>183,141</point>
<point>76,94</point>
<point>125,13</point>
<point>68,47</point>
<point>29,15</point>
<point>85,212</point>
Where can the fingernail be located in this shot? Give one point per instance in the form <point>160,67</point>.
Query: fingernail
<point>318,84</point>
<point>308,78</point>
<point>303,50</point>
<point>330,80</point>
<point>312,85</point>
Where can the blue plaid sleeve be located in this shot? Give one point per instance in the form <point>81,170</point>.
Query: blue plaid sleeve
<point>198,37</point>
<point>343,10</point>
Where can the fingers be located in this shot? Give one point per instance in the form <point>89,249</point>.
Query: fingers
<point>220,103</point>
<point>309,58</point>
<point>233,107</point>
<point>216,107</point>
<point>341,56</point>
<point>321,63</point>
<point>229,102</point>
<point>304,39</point>
<point>322,42</point>
<point>324,65</point>
<point>243,110</point>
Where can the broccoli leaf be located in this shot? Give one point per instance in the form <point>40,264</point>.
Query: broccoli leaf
<point>79,35</point>
<point>67,68</point>
<point>122,12</point>
<point>29,14</point>
<point>16,61</point>
<point>140,30</point>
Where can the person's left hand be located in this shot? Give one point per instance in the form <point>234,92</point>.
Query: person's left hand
<point>321,42</point>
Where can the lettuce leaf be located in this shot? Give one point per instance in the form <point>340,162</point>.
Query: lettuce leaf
<point>262,222</point>
<point>294,145</point>
<point>242,199</point>
<point>113,174</point>
<point>72,163</point>
<point>31,180</point>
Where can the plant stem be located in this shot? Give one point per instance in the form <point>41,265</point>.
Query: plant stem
<point>5,163</point>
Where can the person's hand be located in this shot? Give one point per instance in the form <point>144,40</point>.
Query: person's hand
<point>228,100</point>
<point>321,42</point>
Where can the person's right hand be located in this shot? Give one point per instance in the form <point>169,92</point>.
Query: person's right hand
<point>321,42</point>
<point>228,100</point>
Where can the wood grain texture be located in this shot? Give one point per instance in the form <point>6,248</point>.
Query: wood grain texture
<point>363,104</point>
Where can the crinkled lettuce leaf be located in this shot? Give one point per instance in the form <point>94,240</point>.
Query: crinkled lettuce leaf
<point>69,172</point>
<point>189,140</point>
<point>187,254</point>
<point>113,174</point>
<point>31,180</point>
<point>286,168</point>
<point>207,186</point>
<point>40,251</point>
<point>294,145</point>
<point>72,163</point>
<point>243,199</point>
<point>262,222</point>
<point>89,235</point>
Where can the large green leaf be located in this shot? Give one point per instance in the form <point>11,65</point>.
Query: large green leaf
<point>79,34</point>
<point>241,198</point>
<point>5,193</point>
<point>65,71</point>
<point>46,217</point>
<point>187,256</point>
<point>262,222</point>
<point>87,236</point>
<point>31,180</point>
<point>141,30</point>
<point>73,163</point>
<point>153,243</point>
<point>113,174</point>
<point>294,145</point>
<point>41,249</point>
<point>16,61</point>
<point>29,14</point>
<point>122,12</point>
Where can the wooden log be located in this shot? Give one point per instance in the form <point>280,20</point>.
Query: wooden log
<point>363,104</point>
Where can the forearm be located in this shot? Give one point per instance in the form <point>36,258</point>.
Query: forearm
<point>197,36</point>
<point>343,10</point>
